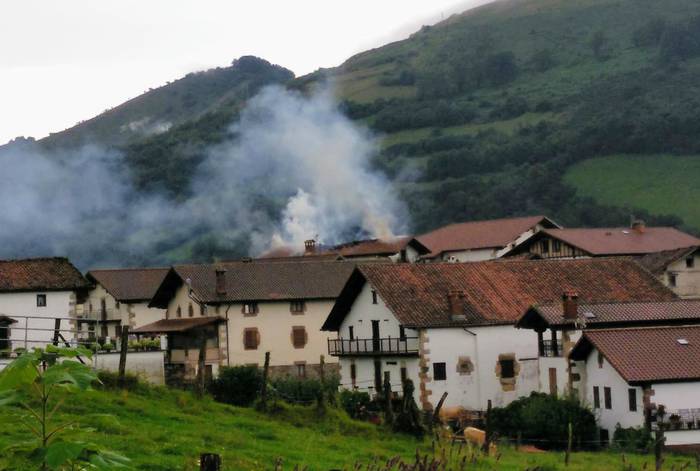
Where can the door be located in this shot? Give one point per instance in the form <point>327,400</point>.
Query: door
<point>553,381</point>
<point>375,336</point>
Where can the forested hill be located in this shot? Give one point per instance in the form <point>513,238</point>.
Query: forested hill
<point>587,111</point>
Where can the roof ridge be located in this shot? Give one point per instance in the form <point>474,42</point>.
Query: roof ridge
<point>127,269</point>
<point>476,221</point>
<point>34,259</point>
<point>645,328</point>
<point>583,303</point>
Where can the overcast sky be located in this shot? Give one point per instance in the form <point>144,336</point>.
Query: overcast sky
<point>66,61</point>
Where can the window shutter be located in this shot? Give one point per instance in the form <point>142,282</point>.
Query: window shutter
<point>299,337</point>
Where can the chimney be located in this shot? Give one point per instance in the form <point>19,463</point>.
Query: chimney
<point>309,247</point>
<point>570,304</point>
<point>639,226</point>
<point>220,281</point>
<point>455,299</point>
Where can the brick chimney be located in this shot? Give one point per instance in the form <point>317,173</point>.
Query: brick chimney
<point>309,247</point>
<point>570,304</point>
<point>220,281</point>
<point>455,300</point>
<point>639,226</point>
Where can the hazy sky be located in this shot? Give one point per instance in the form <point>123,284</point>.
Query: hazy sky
<point>65,61</point>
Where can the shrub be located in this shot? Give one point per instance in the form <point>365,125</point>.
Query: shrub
<point>355,403</point>
<point>237,385</point>
<point>107,347</point>
<point>110,380</point>
<point>633,439</point>
<point>303,391</point>
<point>544,418</point>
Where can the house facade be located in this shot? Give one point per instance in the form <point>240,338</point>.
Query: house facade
<point>626,374</point>
<point>450,327</point>
<point>249,308</point>
<point>481,240</point>
<point>35,296</point>
<point>120,297</point>
<point>678,269</point>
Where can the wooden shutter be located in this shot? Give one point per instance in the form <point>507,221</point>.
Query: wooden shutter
<point>299,337</point>
<point>251,339</point>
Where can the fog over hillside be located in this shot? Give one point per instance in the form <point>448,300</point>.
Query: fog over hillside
<point>295,168</point>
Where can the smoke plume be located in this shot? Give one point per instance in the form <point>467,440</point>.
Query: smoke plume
<point>295,169</point>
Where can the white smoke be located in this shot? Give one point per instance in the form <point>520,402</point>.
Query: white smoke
<point>146,126</point>
<point>296,169</point>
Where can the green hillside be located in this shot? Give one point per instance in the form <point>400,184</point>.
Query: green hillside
<point>659,183</point>
<point>165,430</point>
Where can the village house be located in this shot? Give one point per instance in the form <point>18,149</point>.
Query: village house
<point>396,249</point>
<point>244,309</point>
<point>449,327</point>
<point>560,325</point>
<point>481,240</point>
<point>636,240</point>
<point>678,269</point>
<point>120,297</point>
<point>36,295</point>
<point>626,374</point>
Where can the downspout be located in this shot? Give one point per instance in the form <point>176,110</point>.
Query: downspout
<point>476,364</point>
<point>228,348</point>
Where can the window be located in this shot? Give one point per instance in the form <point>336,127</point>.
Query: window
<point>374,297</point>
<point>250,309</point>
<point>201,310</point>
<point>439,372</point>
<point>633,399</point>
<point>190,310</point>
<point>608,397</point>
<point>179,311</point>
<point>600,360</point>
<point>299,337</point>
<point>297,307</point>
<point>402,333</point>
<point>690,262</point>
<point>596,397</point>
<point>251,339</point>
<point>544,246</point>
<point>556,246</point>
<point>672,280</point>
<point>507,368</point>
<point>301,369</point>
<point>40,300</point>
<point>351,332</point>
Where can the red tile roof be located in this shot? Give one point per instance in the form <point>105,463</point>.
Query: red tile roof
<point>257,281</point>
<point>356,248</point>
<point>646,354</point>
<point>613,314</point>
<point>495,233</point>
<point>495,292</point>
<point>129,284</point>
<point>624,241</point>
<point>165,326</point>
<point>40,274</point>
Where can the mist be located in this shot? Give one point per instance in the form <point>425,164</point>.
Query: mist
<point>295,169</point>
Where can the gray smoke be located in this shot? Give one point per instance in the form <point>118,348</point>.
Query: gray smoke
<point>296,169</point>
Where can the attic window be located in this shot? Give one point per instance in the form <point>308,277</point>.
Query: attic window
<point>297,307</point>
<point>40,300</point>
<point>374,297</point>
<point>250,309</point>
<point>683,341</point>
<point>690,262</point>
<point>672,280</point>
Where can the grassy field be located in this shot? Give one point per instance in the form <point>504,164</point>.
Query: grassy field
<point>160,429</point>
<point>662,184</point>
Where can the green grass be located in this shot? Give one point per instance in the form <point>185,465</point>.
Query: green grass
<point>160,429</point>
<point>661,184</point>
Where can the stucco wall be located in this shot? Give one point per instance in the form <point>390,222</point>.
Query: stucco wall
<point>22,305</point>
<point>148,365</point>
<point>687,279</point>
<point>140,314</point>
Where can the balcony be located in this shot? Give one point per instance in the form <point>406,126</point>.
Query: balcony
<point>101,315</point>
<point>373,347</point>
<point>550,349</point>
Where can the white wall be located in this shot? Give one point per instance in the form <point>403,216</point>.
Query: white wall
<point>21,305</point>
<point>608,377</point>
<point>687,279</point>
<point>476,255</point>
<point>148,365</point>
<point>363,312</point>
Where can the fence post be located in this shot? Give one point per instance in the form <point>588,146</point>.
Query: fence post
<point>263,387</point>
<point>56,331</point>
<point>122,354</point>
<point>201,363</point>
<point>660,440</point>
<point>569,443</point>
<point>209,462</point>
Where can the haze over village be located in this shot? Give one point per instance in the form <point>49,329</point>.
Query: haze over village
<point>473,247</point>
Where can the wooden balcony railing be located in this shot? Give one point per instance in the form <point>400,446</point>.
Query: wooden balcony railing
<point>379,346</point>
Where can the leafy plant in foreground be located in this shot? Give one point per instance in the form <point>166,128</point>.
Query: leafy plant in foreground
<point>38,382</point>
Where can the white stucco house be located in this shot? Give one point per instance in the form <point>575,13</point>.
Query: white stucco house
<point>678,269</point>
<point>34,293</point>
<point>449,327</point>
<point>119,297</point>
<point>560,325</point>
<point>626,374</point>
<point>481,240</point>
<point>245,309</point>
